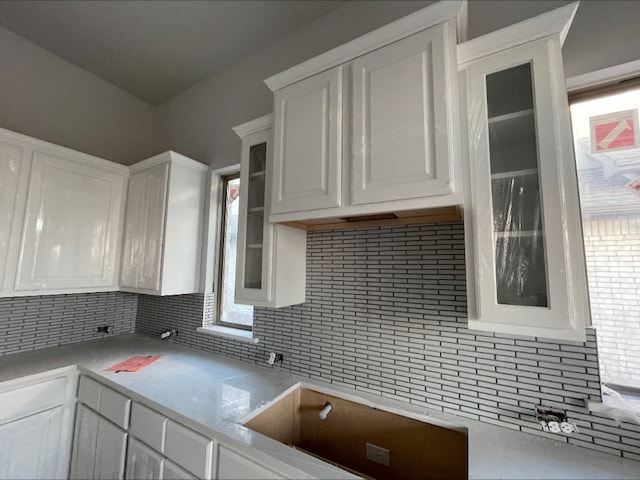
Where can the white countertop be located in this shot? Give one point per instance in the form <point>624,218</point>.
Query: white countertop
<point>211,392</point>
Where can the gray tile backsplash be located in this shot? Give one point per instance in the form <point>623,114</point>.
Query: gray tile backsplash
<point>30,323</point>
<point>386,314</point>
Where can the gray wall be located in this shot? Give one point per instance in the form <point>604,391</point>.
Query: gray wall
<point>46,97</point>
<point>198,122</point>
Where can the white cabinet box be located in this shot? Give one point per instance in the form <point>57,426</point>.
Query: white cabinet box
<point>271,259</point>
<point>372,126</point>
<point>525,260</point>
<point>163,226</point>
<point>61,219</point>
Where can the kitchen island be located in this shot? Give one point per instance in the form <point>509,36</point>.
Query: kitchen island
<point>215,394</point>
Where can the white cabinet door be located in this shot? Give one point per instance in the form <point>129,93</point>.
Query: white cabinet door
<point>233,466</point>
<point>524,248</point>
<point>144,228</point>
<point>402,131</point>
<point>155,200</point>
<point>308,144</point>
<point>98,449</point>
<point>85,441</point>
<point>72,226</point>
<point>30,447</point>
<point>142,462</point>
<point>133,242</point>
<point>111,450</point>
<point>11,165</point>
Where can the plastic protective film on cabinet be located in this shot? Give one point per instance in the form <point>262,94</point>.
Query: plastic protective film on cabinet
<point>526,268</point>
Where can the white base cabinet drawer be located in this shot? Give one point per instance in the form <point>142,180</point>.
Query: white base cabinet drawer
<point>189,449</point>
<point>148,426</point>
<point>233,466</point>
<point>105,401</point>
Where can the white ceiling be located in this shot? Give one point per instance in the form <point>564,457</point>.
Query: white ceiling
<point>157,49</point>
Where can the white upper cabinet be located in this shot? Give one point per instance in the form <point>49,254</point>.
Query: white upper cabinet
<point>163,226</point>
<point>525,260</point>
<point>371,126</point>
<point>271,259</point>
<point>61,219</point>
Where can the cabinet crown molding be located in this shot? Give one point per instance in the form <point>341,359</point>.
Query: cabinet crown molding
<point>554,22</point>
<point>35,144</point>
<point>254,126</point>
<point>165,157</point>
<point>427,17</point>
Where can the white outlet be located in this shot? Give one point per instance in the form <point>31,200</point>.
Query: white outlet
<point>568,427</point>
<point>378,455</point>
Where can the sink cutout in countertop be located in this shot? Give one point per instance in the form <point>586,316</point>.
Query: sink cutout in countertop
<point>416,449</point>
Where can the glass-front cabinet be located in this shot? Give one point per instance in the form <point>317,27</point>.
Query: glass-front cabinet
<point>525,259</point>
<point>271,259</point>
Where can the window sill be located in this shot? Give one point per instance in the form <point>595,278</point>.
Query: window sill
<point>231,333</point>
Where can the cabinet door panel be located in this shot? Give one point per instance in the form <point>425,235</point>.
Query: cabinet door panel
<point>110,451</point>
<point>70,232</point>
<point>142,462</point>
<point>155,199</point>
<point>401,128</point>
<point>133,243</point>
<point>29,447</point>
<point>10,169</point>
<point>84,444</point>
<point>308,144</point>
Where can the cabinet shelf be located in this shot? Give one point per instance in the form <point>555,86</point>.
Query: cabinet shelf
<point>261,173</point>
<point>254,245</point>
<point>519,234</point>
<point>514,173</point>
<point>255,210</point>
<point>527,112</point>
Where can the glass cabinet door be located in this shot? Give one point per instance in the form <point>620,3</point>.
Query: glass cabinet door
<point>518,231</point>
<point>255,216</point>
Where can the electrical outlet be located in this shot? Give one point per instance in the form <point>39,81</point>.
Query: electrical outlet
<point>378,454</point>
<point>104,329</point>
<point>275,357</point>
<point>569,427</point>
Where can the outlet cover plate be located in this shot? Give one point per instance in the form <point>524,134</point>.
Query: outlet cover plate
<point>378,455</point>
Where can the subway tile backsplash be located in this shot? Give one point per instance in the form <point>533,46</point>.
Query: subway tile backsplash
<point>30,323</point>
<point>386,314</point>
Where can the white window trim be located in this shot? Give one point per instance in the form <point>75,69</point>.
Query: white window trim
<point>211,253</point>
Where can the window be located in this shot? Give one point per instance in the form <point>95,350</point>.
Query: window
<point>229,313</point>
<point>607,147</point>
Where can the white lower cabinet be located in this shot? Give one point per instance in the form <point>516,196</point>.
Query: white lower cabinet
<point>36,426</point>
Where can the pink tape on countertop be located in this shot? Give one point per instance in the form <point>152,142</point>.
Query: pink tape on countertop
<point>133,364</point>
